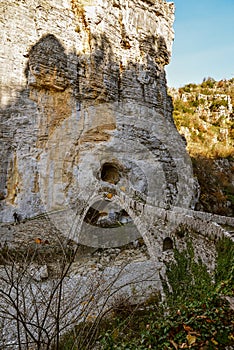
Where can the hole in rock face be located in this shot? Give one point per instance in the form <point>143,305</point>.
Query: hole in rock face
<point>167,244</point>
<point>107,225</point>
<point>110,173</point>
<point>107,215</point>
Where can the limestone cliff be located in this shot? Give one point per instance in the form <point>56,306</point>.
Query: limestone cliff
<point>87,138</point>
<point>85,110</point>
<point>203,114</point>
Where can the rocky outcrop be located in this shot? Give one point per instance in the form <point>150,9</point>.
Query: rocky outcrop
<point>83,86</point>
<point>89,151</point>
<point>203,114</point>
<point>87,128</point>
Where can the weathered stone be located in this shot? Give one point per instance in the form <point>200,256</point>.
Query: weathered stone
<point>38,273</point>
<point>87,122</point>
<point>86,132</point>
<point>67,80</point>
<point>88,89</point>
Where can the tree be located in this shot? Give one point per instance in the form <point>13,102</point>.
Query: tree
<point>36,310</point>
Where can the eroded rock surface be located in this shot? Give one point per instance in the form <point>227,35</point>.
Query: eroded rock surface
<point>87,138</point>
<point>76,78</point>
<point>86,128</point>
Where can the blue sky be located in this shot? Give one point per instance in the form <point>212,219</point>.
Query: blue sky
<point>204,42</point>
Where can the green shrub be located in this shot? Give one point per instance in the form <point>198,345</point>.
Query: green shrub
<point>225,266</point>
<point>216,104</point>
<point>208,83</point>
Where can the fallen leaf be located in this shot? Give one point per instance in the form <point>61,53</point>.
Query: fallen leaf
<point>174,344</point>
<point>191,339</point>
<point>109,195</point>
<point>214,341</point>
<point>103,213</point>
<point>195,333</point>
<point>187,328</point>
<point>38,240</point>
<point>122,188</point>
<point>90,317</point>
<point>208,320</point>
<point>115,333</point>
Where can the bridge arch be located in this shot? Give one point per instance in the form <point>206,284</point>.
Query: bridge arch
<point>87,234</point>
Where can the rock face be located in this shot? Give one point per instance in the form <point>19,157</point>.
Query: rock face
<point>86,116</point>
<point>87,137</point>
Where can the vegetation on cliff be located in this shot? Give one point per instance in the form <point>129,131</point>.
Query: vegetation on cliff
<point>204,115</point>
<point>197,314</point>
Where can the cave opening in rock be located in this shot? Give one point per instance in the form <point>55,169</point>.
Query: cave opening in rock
<point>107,215</point>
<point>106,224</point>
<point>110,173</point>
<point>167,244</point>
